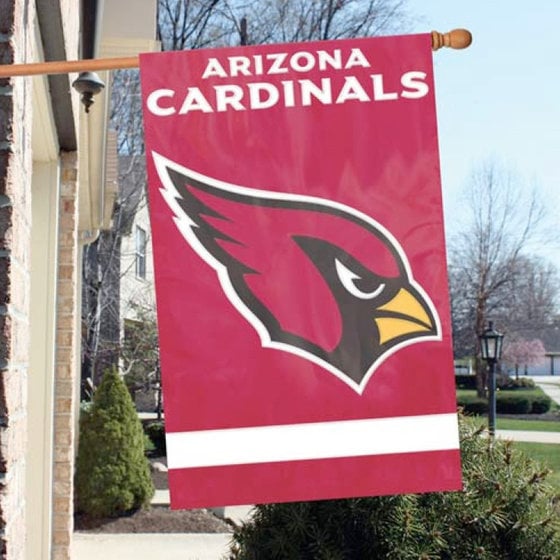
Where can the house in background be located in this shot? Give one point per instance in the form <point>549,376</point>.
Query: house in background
<point>118,302</point>
<point>138,332</point>
<point>549,335</point>
<point>54,200</point>
<point>136,263</point>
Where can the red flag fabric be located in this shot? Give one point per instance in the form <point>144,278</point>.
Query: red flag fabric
<point>300,270</point>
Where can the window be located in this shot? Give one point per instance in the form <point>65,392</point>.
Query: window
<point>140,240</point>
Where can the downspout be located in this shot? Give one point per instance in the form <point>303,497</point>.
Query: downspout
<point>91,14</point>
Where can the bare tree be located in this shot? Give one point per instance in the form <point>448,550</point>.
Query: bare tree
<point>193,24</point>
<point>533,297</point>
<point>100,308</point>
<point>101,277</point>
<point>126,112</point>
<point>504,217</point>
<point>140,353</point>
<point>286,21</point>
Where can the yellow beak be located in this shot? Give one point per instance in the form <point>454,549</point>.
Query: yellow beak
<point>403,315</point>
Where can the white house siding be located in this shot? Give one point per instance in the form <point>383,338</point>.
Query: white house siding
<point>134,289</point>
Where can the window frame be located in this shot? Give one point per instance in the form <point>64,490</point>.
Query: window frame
<point>140,244</point>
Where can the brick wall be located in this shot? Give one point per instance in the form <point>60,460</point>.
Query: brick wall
<point>15,223</point>
<point>65,390</point>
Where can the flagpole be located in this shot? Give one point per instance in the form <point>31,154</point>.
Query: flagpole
<point>455,39</point>
<point>68,66</point>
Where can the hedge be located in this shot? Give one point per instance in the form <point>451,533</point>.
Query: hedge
<point>541,405</point>
<point>507,402</point>
<point>512,403</point>
<point>473,404</point>
<point>465,381</point>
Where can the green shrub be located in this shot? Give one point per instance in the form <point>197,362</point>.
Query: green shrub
<point>506,383</point>
<point>112,473</point>
<point>352,529</point>
<point>507,402</point>
<point>513,403</point>
<point>471,404</point>
<point>541,405</point>
<point>505,511</point>
<point>156,432</point>
<point>524,383</point>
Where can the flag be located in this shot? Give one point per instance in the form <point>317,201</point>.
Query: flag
<point>300,271</point>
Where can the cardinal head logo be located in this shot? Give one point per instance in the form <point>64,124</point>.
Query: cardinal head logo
<point>313,277</point>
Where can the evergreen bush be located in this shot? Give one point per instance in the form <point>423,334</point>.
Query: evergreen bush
<point>506,510</point>
<point>112,472</point>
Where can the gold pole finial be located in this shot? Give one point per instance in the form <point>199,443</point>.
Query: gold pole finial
<point>455,39</point>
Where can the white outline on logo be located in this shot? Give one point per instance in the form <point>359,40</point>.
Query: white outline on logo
<point>186,225</point>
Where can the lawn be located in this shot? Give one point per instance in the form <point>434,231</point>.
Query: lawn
<point>547,454</point>
<point>524,425</point>
<point>532,392</point>
<point>528,425</point>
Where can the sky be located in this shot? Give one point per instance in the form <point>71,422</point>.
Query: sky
<point>500,98</point>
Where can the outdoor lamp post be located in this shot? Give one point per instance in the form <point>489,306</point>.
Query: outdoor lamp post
<point>491,349</point>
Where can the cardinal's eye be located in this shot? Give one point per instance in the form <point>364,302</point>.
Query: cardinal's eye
<point>348,280</point>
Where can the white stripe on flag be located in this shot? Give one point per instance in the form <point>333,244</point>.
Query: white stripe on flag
<point>321,440</point>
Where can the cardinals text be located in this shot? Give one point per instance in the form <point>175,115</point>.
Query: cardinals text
<point>295,81</point>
